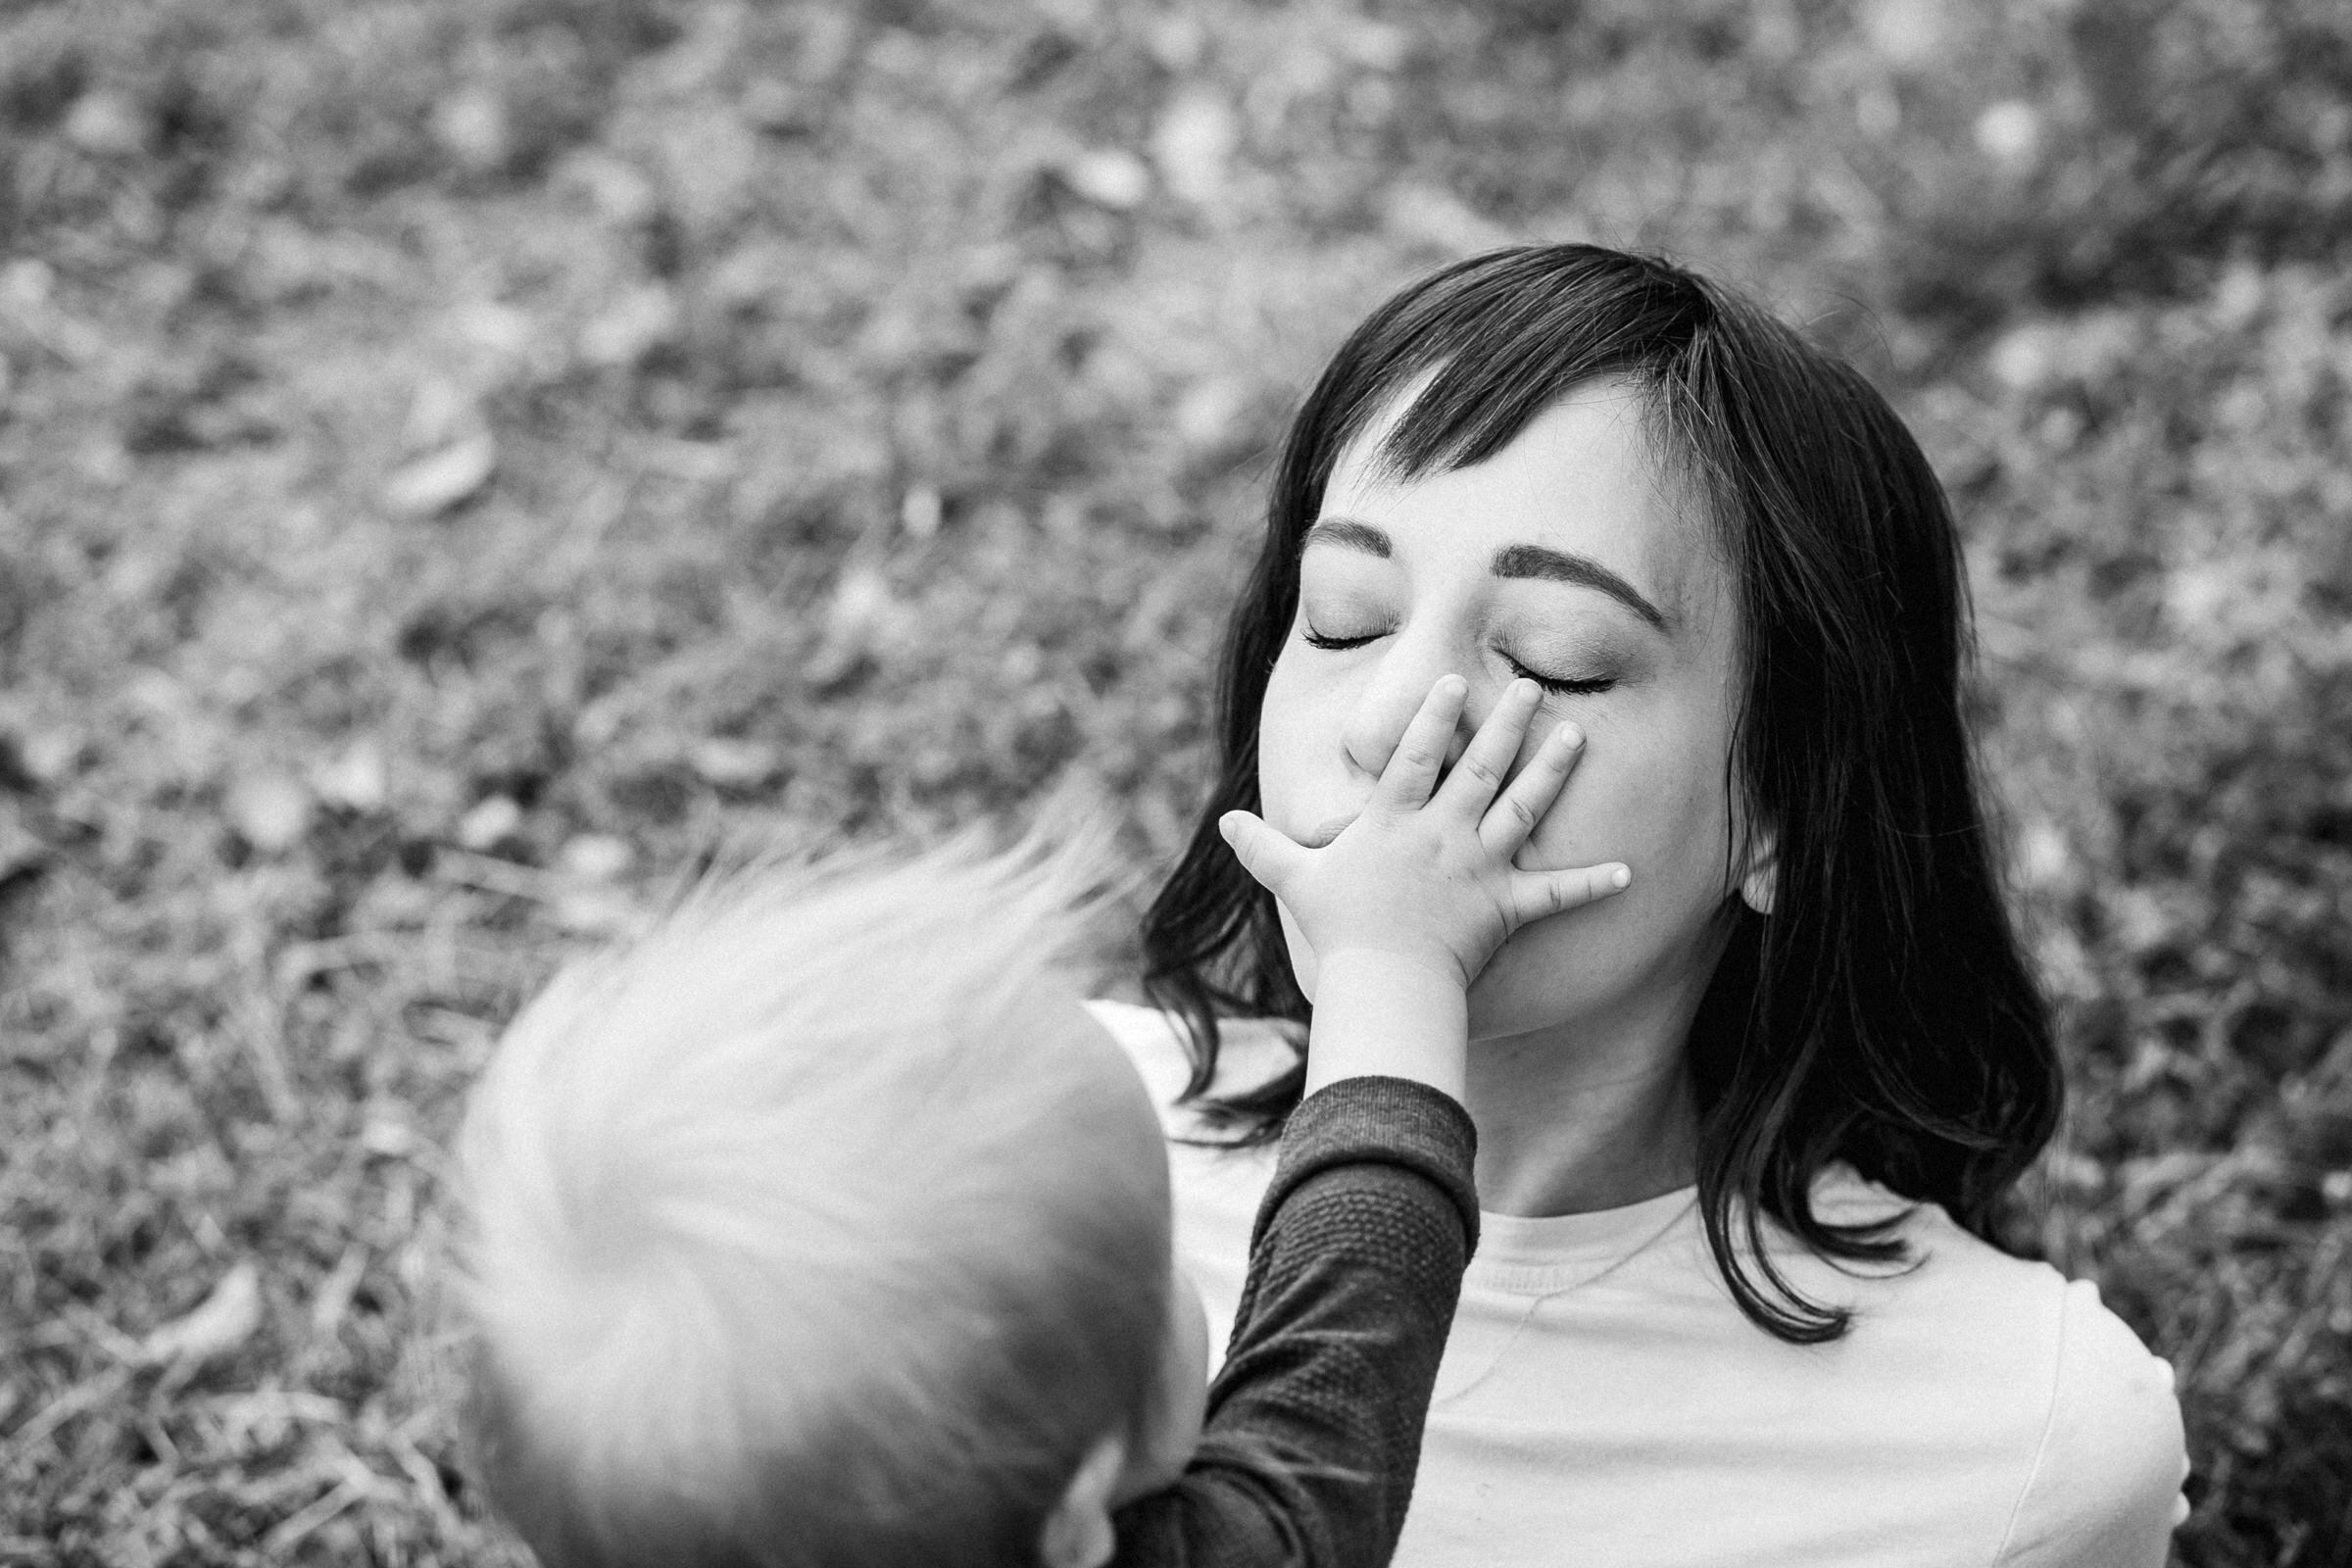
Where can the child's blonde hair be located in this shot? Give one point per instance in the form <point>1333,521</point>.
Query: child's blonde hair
<point>788,1241</point>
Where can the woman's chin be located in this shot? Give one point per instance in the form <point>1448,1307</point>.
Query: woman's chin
<point>1567,973</point>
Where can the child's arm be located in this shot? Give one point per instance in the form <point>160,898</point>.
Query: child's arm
<point>1314,1422</point>
<point>1355,1265</point>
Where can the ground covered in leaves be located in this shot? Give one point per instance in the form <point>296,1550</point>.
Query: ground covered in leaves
<point>462,459</point>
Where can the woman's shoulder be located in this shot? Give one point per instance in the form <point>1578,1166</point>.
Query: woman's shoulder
<point>1960,1280</point>
<point>2106,1484</point>
<point>2109,1455</point>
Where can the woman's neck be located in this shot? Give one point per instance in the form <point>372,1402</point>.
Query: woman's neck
<point>1568,1125</point>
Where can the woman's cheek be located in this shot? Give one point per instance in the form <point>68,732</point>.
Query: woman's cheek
<point>1298,742</point>
<point>1281,781</point>
<point>1277,736</point>
<point>1588,823</point>
<point>1286,747</point>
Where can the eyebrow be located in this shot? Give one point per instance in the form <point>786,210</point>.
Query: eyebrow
<point>1349,534</point>
<point>1521,562</point>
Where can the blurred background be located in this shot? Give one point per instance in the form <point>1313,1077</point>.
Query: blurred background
<point>460,459</point>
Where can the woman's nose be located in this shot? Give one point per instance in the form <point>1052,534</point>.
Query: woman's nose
<point>1389,702</point>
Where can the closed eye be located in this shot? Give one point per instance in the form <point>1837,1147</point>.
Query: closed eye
<point>1316,639</point>
<point>1558,686</point>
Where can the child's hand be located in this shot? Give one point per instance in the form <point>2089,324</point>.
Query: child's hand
<point>1426,878</point>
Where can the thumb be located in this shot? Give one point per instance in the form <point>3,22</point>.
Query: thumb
<point>1264,852</point>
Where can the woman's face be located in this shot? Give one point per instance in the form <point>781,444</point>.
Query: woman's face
<point>1566,556</point>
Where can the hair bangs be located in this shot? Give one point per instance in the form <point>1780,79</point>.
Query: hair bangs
<point>1480,354</point>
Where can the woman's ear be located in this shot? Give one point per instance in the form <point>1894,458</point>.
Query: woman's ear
<point>1761,878</point>
<point>1077,1533</point>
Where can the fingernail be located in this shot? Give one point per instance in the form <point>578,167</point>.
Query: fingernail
<point>1570,736</point>
<point>1622,877</point>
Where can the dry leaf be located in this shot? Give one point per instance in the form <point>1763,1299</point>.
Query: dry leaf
<point>1109,176</point>
<point>489,823</point>
<point>2010,134</point>
<point>596,857</point>
<point>271,812</point>
<point>472,126</point>
<point>1193,144</point>
<point>107,124</point>
<point>922,511</point>
<point>357,778</point>
<point>861,620</point>
<point>734,764</point>
<point>428,485</point>
<point>224,1320</point>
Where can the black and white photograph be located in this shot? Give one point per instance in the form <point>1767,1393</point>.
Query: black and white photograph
<point>1176,783</point>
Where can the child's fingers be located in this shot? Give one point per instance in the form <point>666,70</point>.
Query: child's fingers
<point>1537,895</point>
<point>1484,762</point>
<point>1413,767</point>
<point>1522,806</point>
<point>1264,852</point>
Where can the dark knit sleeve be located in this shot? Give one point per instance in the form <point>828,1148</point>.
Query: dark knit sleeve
<point>1314,1423</point>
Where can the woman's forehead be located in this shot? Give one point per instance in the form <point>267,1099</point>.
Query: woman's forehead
<point>1584,479</point>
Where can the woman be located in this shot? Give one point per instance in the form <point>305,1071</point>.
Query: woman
<point>1745,1130</point>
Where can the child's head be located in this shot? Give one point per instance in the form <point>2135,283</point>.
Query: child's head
<point>1741,577</point>
<point>822,1225</point>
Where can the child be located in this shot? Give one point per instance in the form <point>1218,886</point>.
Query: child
<point>825,1226</point>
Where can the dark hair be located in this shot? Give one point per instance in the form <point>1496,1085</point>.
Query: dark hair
<point>1884,1014</point>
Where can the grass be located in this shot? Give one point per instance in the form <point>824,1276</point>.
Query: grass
<point>459,461</point>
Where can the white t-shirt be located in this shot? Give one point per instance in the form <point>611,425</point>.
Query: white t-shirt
<point>1603,1402</point>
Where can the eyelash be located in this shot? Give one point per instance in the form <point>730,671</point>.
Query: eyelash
<point>1557,687</point>
<point>1551,684</point>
